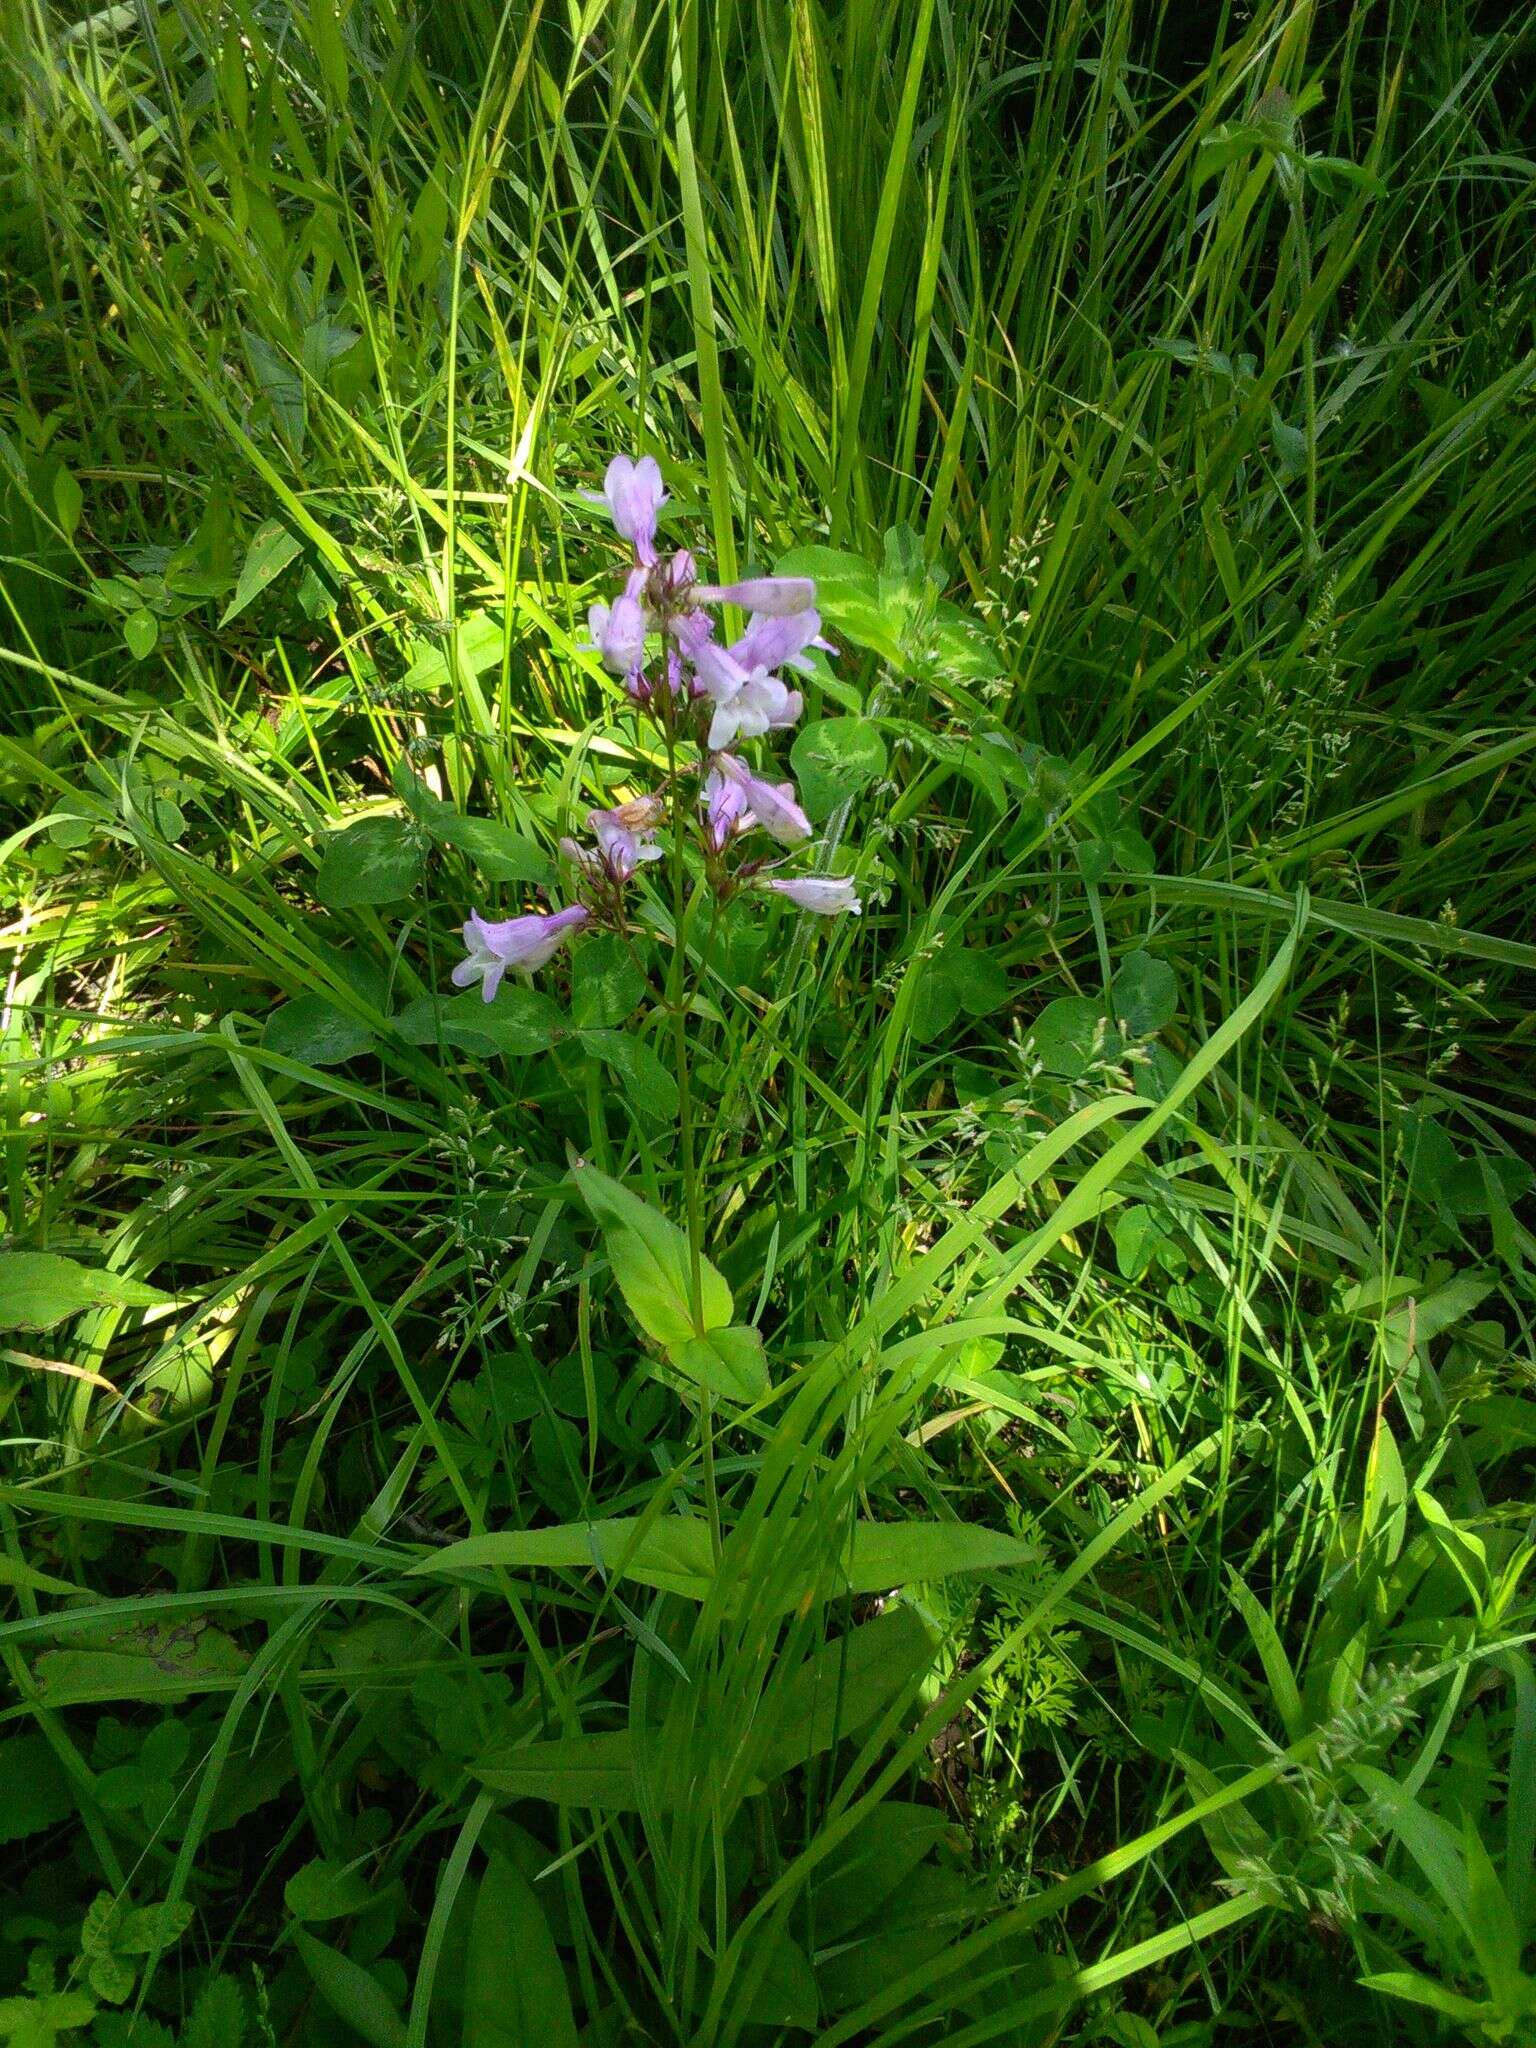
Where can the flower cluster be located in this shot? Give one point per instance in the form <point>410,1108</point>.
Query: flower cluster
<point>659,635</point>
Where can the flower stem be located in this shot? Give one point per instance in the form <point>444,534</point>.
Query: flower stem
<point>682,903</point>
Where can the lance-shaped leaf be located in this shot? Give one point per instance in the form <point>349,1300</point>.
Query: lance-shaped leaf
<point>651,1263</point>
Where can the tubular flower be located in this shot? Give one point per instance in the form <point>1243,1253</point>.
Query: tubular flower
<point>521,943</point>
<point>762,704</point>
<point>635,497</point>
<point>749,699</point>
<point>780,641</point>
<point>626,835</point>
<point>826,895</point>
<point>772,805</point>
<point>618,635</point>
<point>775,597</point>
<point>726,810</point>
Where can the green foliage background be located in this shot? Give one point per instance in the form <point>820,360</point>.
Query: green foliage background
<point>1112,1622</point>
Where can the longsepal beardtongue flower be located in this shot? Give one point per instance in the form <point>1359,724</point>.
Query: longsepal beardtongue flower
<point>618,630</point>
<point>702,693</point>
<point>826,895</point>
<point>774,596</point>
<point>772,805</point>
<point>626,839</point>
<point>635,496</point>
<point>727,813</point>
<point>519,943</point>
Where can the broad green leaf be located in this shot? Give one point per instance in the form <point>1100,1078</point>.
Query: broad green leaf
<point>375,861</point>
<point>68,499</point>
<point>515,1993</point>
<point>885,1555</point>
<point>1418,1989</point>
<point>146,1930</point>
<point>479,643</point>
<point>834,759</point>
<point>312,1030</point>
<point>647,1082</point>
<point>846,1683</point>
<point>321,1890</point>
<point>867,1867</point>
<point>1290,445</point>
<point>39,1289</point>
<point>953,980</point>
<point>1339,179</point>
<point>500,854</point>
<point>1095,857</point>
<point>269,554</point>
<point>928,1910</point>
<point>847,596</point>
<point>964,650</point>
<point>1133,852</point>
<point>352,1994</point>
<point>519,1022</point>
<point>1067,1035</point>
<point>1139,1236</point>
<point>155,1662</point>
<point>218,2018</point>
<point>1496,1939</point>
<point>607,982</point>
<point>37,1793</point>
<point>141,629</point>
<point>595,1771</point>
<point>787,1994</point>
<point>729,1362</point>
<point>281,386</point>
<point>40,2022</point>
<point>650,1260</point>
<point>674,1555</point>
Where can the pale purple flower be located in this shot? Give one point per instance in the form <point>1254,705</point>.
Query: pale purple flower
<point>626,835</point>
<point>717,672</point>
<point>749,699</point>
<point>522,943</point>
<point>760,704</point>
<point>780,641</point>
<point>726,811</point>
<point>827,895</point>
<point>618,634</point>
<point>775,596</point>
<point>678,576</point>
<point>635,496</point>
<point>772,805</point>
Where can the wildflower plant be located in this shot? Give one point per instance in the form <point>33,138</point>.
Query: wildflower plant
<point>706,699</point>
<point>721,819</point>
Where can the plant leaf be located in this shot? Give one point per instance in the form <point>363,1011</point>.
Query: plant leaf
<point>39,1289</point>
<point>607,982</point>
<point>271,550</point>
<point>313,1031</point>
<point>351,1992</point>
<point>650,1261</point>
<point>514,1984</point>
<point>593,1771</point>
<point>374,861</point>
<point>730,1362</point>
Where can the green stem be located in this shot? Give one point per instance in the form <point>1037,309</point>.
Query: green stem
<point>1312,551</point>
<point>677,995</point>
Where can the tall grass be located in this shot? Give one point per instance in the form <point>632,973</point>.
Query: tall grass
<point>1135,1200</point>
